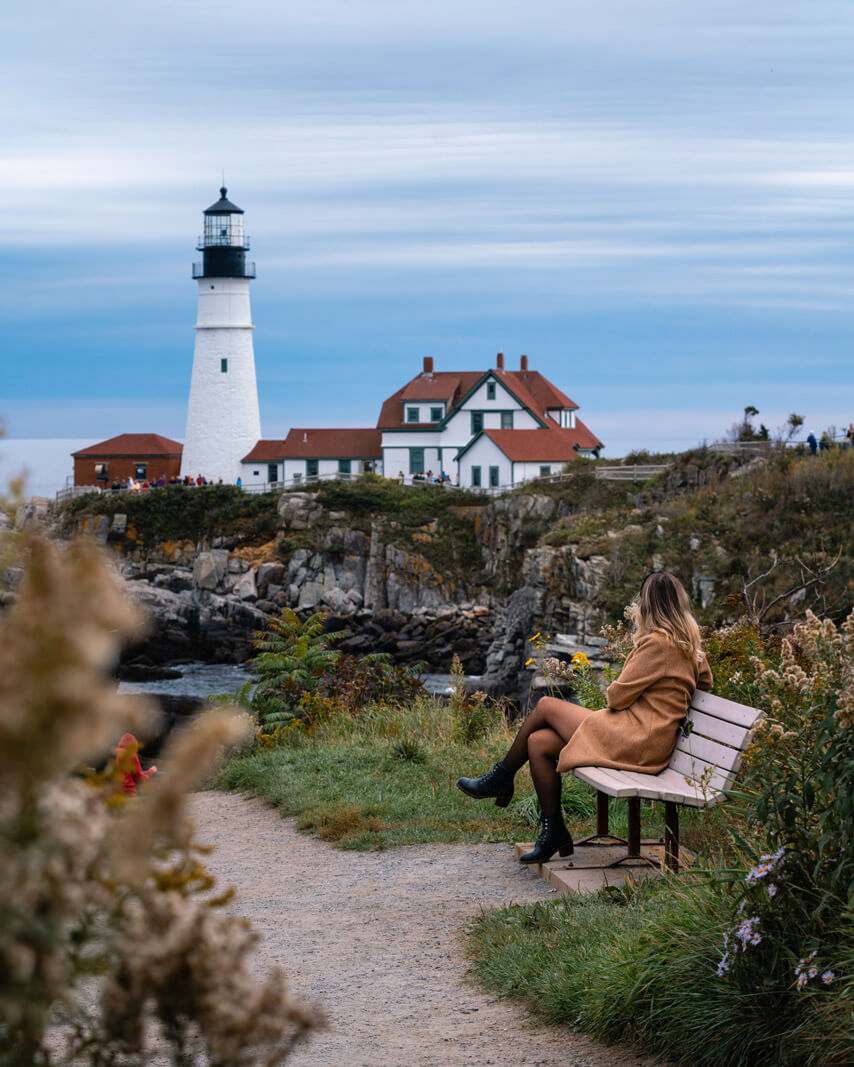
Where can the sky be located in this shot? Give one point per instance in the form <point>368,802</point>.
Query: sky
<point>654,201</point>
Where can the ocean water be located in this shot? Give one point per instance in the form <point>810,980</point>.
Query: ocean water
<point>45,463</point>
<point>206,679</point>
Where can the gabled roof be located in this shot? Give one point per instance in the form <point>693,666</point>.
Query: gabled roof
<point>545,394</point>
<point>551,444</point>
<point>265,452</point>
<point>530,388</point>
<point>448,387</point>
<point>359,443</point>
<point>133,444</point>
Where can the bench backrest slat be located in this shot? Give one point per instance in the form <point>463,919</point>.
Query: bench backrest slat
<point>727,733</point>
<point>694,768</point>
<point>728,759</point>
<point>728,710</point>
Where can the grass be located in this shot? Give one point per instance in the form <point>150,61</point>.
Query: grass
<point>640,965</point>
<point>388,777</point>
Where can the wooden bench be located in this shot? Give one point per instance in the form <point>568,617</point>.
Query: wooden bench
<point>709,747</point>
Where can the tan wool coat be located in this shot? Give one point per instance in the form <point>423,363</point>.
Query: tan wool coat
<point>637,731</point>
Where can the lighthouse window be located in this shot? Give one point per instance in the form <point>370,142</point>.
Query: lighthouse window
<point>223,366</point>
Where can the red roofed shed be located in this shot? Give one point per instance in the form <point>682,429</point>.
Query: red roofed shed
<point>140,455</point>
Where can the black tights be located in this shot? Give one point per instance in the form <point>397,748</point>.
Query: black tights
<point>539,740</point>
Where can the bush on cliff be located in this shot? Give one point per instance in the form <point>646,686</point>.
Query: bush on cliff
<point>179,513</point>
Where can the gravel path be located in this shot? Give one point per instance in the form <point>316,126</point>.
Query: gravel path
<point>374,937</point>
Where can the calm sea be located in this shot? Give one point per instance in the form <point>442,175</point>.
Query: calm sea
<point>45,463</point>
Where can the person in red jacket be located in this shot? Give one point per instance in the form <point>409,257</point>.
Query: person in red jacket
<point>127,761</point>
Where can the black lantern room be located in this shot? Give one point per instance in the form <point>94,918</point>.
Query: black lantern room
<point>223,244</point>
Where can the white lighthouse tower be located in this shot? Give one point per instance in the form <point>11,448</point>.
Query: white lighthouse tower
<point>223,422</point>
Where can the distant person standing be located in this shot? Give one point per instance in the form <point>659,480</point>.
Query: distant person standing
<point>239,482</point>
<point>812,442</point>
<point>825,443</point>
<point>849,435</point>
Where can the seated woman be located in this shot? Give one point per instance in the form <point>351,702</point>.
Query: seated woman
<point>635,732</point>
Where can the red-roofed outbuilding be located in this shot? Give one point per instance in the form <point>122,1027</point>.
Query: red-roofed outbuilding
<point>143,456</point>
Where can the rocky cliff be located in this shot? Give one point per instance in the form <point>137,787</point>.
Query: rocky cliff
<point>424,574</point>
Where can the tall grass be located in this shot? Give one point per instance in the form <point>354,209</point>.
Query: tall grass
<point>640,966</point>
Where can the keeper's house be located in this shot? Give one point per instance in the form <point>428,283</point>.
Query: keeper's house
<point>489,428</point>
<point>482,428</point>
<point>145,456</point>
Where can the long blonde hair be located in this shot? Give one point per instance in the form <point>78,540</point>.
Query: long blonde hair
<point>662,605</point>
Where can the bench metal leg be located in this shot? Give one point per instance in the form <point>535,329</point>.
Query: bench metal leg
<point>671,836</point>
<point>602,837</point>
<point>634,822</point>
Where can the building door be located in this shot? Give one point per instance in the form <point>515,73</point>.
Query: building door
<point>493,477</point>
<point>416,461</point>
<point>272,472</point>
<point>311,468</point>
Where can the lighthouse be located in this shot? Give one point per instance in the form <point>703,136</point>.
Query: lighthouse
<point>223,421</point>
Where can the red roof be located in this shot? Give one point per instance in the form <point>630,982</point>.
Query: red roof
<point>265,452</point>
<point>133,444</point>
<point>357,443</point>
<point>529,387</point>
<point>551,445</point>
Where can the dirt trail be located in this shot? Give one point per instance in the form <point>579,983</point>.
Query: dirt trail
<point>375,938</point>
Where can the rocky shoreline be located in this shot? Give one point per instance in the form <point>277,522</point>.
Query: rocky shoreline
<point>376,583</point>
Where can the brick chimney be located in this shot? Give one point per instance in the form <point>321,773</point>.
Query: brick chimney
<point>499,361</point>
<point>428,364</point>
<point>524,363</point>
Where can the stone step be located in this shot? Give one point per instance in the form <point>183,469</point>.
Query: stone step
<point>586,870</point>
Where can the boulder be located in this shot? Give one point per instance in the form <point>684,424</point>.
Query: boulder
<point>210,568</point>
<point>244,587</point>
<point>269,574</point>
<point>310,595</point>
<point>298,510</point>
<point>335,600</point>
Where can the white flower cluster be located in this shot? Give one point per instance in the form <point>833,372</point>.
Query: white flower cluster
<point>808,969</point>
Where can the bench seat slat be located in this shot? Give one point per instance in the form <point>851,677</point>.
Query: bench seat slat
<point>728,710</point>
<point>727,733</point>
<point>669,785</point>
<point>606,780</point>
<point>728,759</point>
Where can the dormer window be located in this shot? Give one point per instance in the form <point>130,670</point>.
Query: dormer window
<point>435,414</point>
<point>412,415</point>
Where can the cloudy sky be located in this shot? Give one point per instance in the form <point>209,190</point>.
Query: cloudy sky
<point>654,201</point>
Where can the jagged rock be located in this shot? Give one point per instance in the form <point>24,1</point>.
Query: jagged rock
<point>310,595</point>
<point>34,513</point>
<point>298,511</point>
<point>244,588</point>
<point>119,525</point>
<point>176,579</point>
<point>269,574</point>
<point>334,599</point>
<point>210,568</point>
<point>704,589</point>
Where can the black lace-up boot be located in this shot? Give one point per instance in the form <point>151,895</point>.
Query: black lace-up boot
<point>496,783</point>
<point>554,838</point>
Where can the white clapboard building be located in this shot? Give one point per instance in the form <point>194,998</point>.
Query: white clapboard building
<point>481,429</point>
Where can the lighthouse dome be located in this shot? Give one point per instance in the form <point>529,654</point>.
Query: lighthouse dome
<point>223,206</point>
